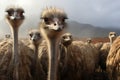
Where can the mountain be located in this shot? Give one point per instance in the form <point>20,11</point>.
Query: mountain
<point>87,30</point>
<point>74,27</point>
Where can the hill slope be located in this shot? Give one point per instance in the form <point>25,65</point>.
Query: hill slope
<point>87,30</point>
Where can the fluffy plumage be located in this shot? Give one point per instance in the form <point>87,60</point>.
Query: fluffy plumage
<point>113,60</point>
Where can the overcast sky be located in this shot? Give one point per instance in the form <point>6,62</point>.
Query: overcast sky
<point>96,12</point>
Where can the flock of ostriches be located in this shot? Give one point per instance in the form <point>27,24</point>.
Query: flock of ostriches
<point>52,54</point>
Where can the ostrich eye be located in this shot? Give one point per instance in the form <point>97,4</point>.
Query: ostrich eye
<point>30,35</point>
<point>63,20</point>
<point>47,20</point>
<point>70,36</point>
<point>64,37</point>
<point>10,12</point>
<point>111,34</point>
<point>20,13</point>
<point>38,34</point>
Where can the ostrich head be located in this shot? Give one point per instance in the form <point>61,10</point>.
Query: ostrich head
<point>89,40</point>
<point>66,39</point>
<point>35,36</point>
<point>53,22</point>
<point>14,16</point>
<point>112,34</point>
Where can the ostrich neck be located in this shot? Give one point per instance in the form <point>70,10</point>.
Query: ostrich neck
<point>53,54</point>
<point>111,41</point>
<point>36,54</point>
<point>36,51</point>
<point>15,52</point>
<point>35,61</point>
<point>15,45</point>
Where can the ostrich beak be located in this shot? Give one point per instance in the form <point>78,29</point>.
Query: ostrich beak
<point>34,38</point>
<point>15,16</point>
<point>68,39</point>
<point>113,36</point>
<point>55,26</point>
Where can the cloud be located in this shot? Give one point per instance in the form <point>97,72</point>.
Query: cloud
<point>95,12</point>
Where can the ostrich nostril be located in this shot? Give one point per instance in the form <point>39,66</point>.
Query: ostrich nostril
<point>33,39</point>
<point>59,29</point>
<point>55,24</point>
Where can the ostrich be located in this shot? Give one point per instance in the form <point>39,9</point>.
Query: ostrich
<point>51,26</point>
<point>113,60</point>
<point>105,50</point>
<point>65,41</point>
<point>36,38</point>
<point>89,40</point>
<point>15,18</point>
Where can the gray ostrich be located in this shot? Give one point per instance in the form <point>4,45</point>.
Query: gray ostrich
<point>51,26</point>
<point>15,18</point>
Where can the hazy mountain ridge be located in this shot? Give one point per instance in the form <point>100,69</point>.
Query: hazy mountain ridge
<point>87,30</point>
